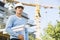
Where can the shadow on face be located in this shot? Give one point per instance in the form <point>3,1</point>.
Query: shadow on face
<point>19,9</point>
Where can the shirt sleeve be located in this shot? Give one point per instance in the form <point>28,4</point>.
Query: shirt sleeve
<point>9,25</point>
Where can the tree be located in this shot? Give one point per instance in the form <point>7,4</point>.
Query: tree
<point>31,36</point>
<point>47,37</point>
<point>54,31</point>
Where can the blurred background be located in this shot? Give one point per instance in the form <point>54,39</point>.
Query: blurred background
<point>47,27</point>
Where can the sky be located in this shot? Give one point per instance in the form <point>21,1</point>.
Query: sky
<point>47,15</point>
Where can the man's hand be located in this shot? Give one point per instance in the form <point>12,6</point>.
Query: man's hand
<point>21,37</point>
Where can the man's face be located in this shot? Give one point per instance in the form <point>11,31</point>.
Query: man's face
<point>19,10</point>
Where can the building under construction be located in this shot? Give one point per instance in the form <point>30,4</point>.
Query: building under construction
<point>4,14</point>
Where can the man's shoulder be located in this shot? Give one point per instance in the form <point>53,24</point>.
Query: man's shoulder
<point>11,16</point>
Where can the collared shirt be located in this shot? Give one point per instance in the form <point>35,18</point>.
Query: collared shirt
<point>16,21</point>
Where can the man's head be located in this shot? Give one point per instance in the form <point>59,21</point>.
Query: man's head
<point>19,8</point>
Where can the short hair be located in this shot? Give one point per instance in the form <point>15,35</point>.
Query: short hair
<point>19,7</point>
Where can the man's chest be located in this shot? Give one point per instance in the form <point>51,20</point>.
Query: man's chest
<point>19,22</point>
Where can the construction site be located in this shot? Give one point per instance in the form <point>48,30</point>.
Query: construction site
<point>34,31</point>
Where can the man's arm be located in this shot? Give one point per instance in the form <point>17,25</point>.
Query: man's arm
<point>9,25</point>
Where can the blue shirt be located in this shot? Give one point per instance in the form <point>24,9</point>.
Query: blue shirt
<point>14,21</point>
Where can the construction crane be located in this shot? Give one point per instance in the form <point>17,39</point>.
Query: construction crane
<point>37,15</point>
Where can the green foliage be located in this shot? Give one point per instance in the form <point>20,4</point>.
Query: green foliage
<point>47,37</point>
<point>31,36</point>
<point>54,31</point>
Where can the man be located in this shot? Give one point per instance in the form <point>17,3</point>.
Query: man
<point>16,20</point>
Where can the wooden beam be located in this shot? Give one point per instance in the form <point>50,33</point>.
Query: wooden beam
<point>4,35</point>
<point>30,4</point>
